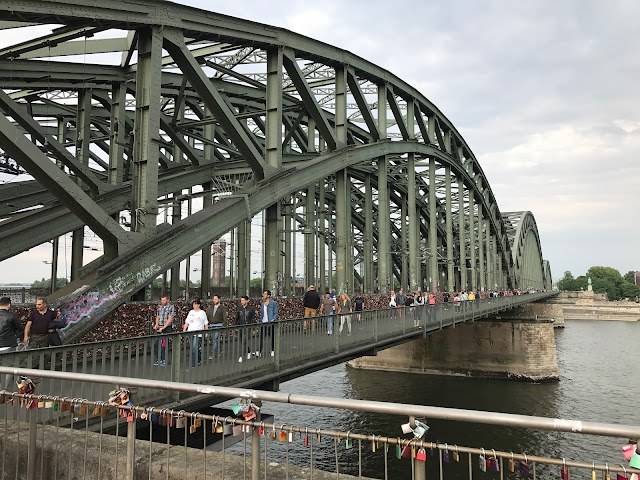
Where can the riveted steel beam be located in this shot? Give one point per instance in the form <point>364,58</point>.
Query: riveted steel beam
<point>309,99</point>
<point>174,44</point>
<point>68,192</point>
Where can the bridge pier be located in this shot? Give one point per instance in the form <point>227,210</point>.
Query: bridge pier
<point>517,349</point>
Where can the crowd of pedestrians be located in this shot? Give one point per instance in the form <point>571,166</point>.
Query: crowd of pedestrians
<point>39,327</point>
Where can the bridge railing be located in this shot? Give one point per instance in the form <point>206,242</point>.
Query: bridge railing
<point>236,355</point>
<point>95,439</point>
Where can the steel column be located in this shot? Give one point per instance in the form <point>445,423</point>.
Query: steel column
<point>404,271</point>
<point>272,261</point>
<point>369,273</point>
<point>462,236</point>
<point>342,229</point>
<point>273,136</point>
<point>480,222</point>
<point>434,274</point>
<point>321,233</point>
<point>205,270</point>
<point>176,216</point>
<point>449,228</point>
<point>118,133</point>
<point>83,142</point>
<point>414,224</point>
<point>310,235</point>
<point>383,227</point>
<point>244,267</point>
<point>144,205</point>
<point>487,249</point>
<point>472,241</point>
<point>286,240</point>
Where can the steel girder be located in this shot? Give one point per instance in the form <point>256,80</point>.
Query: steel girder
<point>530,270</point>
<point>221,114</point>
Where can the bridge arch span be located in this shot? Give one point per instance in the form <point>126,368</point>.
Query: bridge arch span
<point>246,119</point>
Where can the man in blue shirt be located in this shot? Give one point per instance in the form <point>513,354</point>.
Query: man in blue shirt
<point>268,314</point>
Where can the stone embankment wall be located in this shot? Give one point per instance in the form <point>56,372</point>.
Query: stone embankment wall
<point>64,459</point>
<point>590,306</point>
<point>520,350</point>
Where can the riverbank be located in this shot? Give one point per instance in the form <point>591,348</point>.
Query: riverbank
<point>589,306</point>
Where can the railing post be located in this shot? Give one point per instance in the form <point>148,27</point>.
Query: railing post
<point>375,325</point>
<point>336,334</point>
<point>255,449</point>
<point>176,357</point>
<point>277,344</point>
<point>131,448</point>
<point>33,436</point>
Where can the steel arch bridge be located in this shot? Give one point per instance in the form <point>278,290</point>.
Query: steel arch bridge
<point>121,112</point>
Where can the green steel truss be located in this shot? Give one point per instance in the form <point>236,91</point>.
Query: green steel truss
<point>121,108</point>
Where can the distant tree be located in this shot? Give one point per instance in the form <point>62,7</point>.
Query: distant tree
<point>630,277</point>
<point>46,283</point>
<point>567,283</point>
<point>629,290</point>
<point>255,282</point>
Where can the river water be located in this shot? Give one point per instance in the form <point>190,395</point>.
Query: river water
<point>599,381</point>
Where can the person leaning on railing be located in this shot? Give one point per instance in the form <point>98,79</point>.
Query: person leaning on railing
<point>218,317</point>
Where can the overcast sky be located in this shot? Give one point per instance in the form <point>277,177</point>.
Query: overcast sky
<point>547,95</point>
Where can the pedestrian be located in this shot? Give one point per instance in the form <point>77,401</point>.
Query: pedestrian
<point>11,332</point>
<point>40,323</point>
<point>358,306</point>
<point>218,317</point>
<point>400,299</point>
<point>431,312</point>
<point>328,309</point>
<point>165,315</point>
<point>456,302</point>
<point>245,315</point>
<point>346,309</point>
<point>311,303</point>
<point>196,321</point>
<point>418,302</point>
<point>268,315</point>
<point>392,299</point>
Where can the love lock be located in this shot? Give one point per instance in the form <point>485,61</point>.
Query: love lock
<point>421,455</point>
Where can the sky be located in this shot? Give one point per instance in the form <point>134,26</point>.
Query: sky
<point>546,94</point>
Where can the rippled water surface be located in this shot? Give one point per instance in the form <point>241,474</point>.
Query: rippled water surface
<point>600,381</point>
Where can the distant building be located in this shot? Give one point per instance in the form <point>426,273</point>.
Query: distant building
<point>637,278</point>
<point>218,263</point>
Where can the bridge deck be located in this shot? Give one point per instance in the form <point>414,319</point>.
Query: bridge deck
<point>301,346</point>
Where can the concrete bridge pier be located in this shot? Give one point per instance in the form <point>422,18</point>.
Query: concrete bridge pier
<point>514,348</point>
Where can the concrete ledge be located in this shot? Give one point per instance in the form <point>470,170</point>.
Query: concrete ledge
<point>150,459</point>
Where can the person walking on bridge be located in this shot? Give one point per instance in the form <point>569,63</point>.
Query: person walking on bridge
<point>196,321</point>
<point>218,317</point>
<point>346,310</point>
<point>165,315</point>
<point>328,308</point>
<point>311,303</point>
<point>11,333</point>
<point>245,315</point>
<point>36,332</point>
<point>11,330</point>
<point>268,314</point>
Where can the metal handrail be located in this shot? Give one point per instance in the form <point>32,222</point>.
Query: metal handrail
<point>444,413</point>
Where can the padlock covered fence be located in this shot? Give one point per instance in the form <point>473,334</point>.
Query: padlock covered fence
<point>46,436</point>
<point>251,354</point>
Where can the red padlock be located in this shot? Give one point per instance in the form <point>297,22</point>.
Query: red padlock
<point>421,455</point>
<point>564,471</point>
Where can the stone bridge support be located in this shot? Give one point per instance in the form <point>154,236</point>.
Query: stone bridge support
<point>492,348</point>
